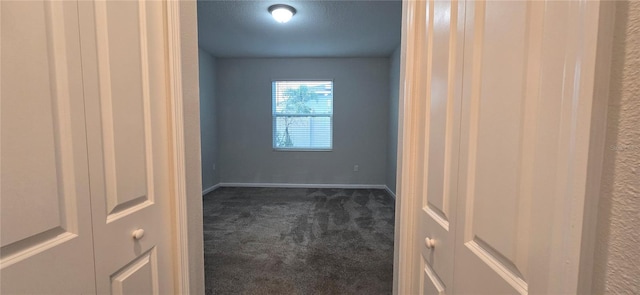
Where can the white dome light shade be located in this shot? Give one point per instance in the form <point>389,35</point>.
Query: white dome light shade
<point>282,13</point>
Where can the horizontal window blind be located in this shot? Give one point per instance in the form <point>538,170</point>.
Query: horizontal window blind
<point>302,115</point>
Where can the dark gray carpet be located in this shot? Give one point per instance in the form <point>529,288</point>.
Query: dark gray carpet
<point>298,241</point>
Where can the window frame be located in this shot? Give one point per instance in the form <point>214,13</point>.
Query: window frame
<point>274,116</point>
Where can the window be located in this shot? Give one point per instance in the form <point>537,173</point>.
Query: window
<point>302,115</point>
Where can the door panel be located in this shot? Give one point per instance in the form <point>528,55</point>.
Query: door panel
<point>124,98</point>
<point>495,247</point>
<point>442,101</point>
<point>45,212</point>
<point>138,277</point>
<point>498,130</point>
<point>442,56</point>
<point>128,137</point>
<point>430,282</point>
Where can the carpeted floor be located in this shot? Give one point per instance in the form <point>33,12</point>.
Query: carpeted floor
<point>298,241</point>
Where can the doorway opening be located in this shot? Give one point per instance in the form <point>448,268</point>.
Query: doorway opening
<point>299,141</point>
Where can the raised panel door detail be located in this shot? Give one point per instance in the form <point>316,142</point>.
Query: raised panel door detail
<point>32,166</point>
<point>442,102</point>
<point>495,218</point>
<point>124,96</point>
<point>138,277</point>
<point>44,174</point>
<point>431,282</point>
<point>498,129</point>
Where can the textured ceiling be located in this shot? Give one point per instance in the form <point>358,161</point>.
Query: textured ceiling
<point>319,29</point>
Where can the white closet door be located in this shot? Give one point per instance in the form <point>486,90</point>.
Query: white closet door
<point>440,99</point>
<point>124,53</point>
<point>501,145</point>
<point>45,213</point>
<point>527,113</point>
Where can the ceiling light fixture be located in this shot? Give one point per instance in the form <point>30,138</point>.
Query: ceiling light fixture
<point>282,13</point>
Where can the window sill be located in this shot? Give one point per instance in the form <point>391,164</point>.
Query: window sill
<point>301,150</point>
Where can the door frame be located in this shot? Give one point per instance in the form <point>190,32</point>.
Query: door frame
<point>572,271</point>
<point>178,150</point>
<point>405,218</point>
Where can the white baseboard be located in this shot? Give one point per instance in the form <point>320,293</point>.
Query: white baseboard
<point>213,188</point>
<point>303,185</point>
<point>390,192</point>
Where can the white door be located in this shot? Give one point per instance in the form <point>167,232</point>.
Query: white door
<point>85,148</point>
<point>45,204</point>
<point>124,53</point>
<point>502,142</point>
<point>441,89</point>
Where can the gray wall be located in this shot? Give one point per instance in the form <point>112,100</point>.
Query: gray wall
<point>617,254</point>
<point>394,91</point>
<point>208,118</point>
<point>360,122</point>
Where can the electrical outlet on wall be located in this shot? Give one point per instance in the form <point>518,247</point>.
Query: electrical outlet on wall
<point>214,166</point>
<point>356,168</point>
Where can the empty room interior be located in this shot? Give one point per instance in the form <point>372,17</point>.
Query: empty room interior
<point>299,137</point>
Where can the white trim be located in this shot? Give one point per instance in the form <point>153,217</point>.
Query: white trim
<point>596,153</point>
<point>210,189</point>
<point>413,15</point>
<point>303,185</point>
<point>178,151</point>
<point>393,195</point>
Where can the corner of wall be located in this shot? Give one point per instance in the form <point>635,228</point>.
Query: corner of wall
<point>617,255</point>
<point>392,135</point>
<point>208,118</point>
